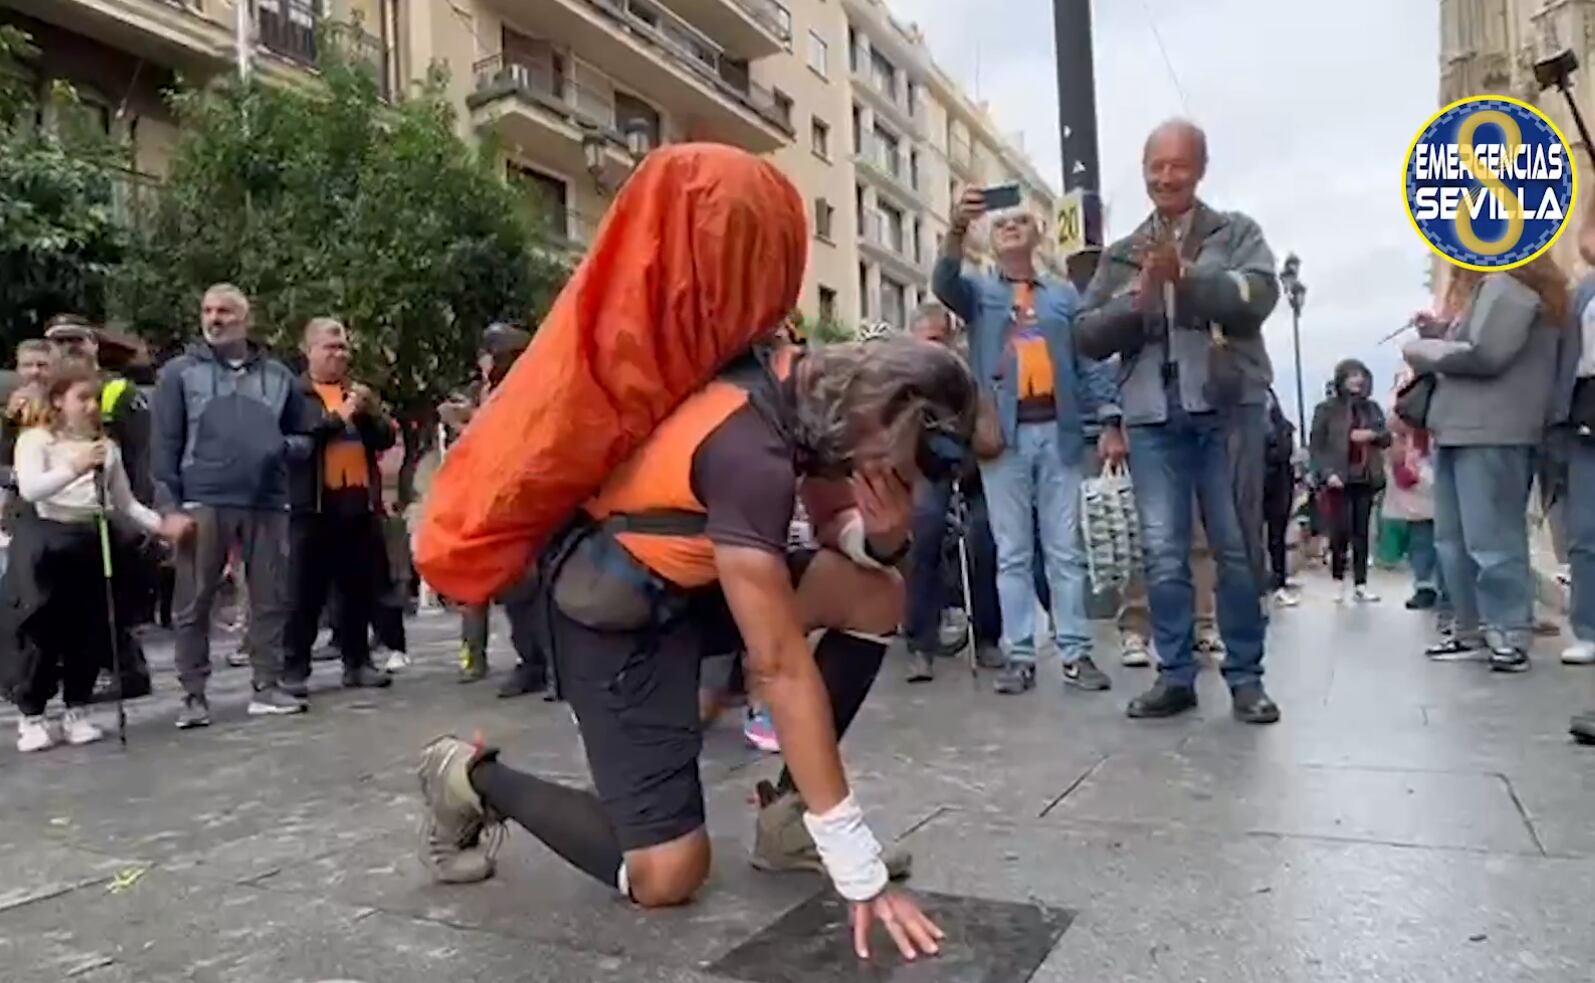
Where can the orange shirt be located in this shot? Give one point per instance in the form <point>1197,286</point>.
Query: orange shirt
<point>344,461</point>
<point>1036,378</point>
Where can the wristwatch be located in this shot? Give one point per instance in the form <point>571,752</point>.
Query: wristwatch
<point>895,557</point>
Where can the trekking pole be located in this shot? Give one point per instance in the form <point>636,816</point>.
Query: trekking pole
<point>962,511</point>
<point>103,521</point>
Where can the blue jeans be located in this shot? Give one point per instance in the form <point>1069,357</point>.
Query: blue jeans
<point>1170,463</point>
<point>1031,489</point>
<point>927,574</point>
<point>1420,553</point>
<point>1481,501</point>
<point>1580,518</point>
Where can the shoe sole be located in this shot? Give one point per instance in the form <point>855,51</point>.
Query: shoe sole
<point>1510,669</point>
<point>1089,686</point>
<point>358,685</point>
<point>1271,718</point>
<point>193,724</point>
<point>921,677</point>
<point>266,710</point>
<point>1134,715</point>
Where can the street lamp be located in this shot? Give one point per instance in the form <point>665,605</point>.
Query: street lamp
<point>1296,296</point>
<point>595,149</point>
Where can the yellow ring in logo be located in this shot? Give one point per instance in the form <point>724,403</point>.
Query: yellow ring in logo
<point>1464,225</point>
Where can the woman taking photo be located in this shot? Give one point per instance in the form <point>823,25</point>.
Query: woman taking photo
<point>54,589</point>
<point>1493,367</point>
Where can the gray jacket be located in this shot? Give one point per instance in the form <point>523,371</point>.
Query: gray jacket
<point>1496,369</point>
<point>1229,284</point>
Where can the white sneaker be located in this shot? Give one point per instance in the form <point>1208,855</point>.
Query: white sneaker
<point>1362,595</point>
<point>1342,591</point>
<point>1132,651</point>
<point>1286,597</point>
<point>33,734</point>
<point>396,661</point>
<point>77,730</point>
<point>1579,654</point>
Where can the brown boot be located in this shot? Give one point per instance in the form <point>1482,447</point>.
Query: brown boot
<point>782,843</point>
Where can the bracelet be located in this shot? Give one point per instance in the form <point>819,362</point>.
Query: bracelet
<point>893,558</point>
<point>849,851</point>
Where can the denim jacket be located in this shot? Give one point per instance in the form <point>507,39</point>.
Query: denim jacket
<point>1570,353</point>
<point>1083,390</point>
<point>1230,284</point>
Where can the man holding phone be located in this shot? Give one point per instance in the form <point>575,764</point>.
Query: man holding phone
<point>1036,399</point>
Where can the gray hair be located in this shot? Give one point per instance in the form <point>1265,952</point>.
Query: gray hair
<point>318,326</point>
<point>896,384</point>
<point>230,292</point>
<point>928,310</point>
<point>1185,127</point>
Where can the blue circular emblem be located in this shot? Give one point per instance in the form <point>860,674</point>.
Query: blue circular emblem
<point>1490,183</point>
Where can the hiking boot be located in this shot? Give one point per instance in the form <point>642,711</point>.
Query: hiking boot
<point>1508,659</point>
<point>1582,727</point>
<point>524,678</point>
<point>1251,705</point>
<point>781,843</point>
<point>77,728</point>
<point>272,701</point>
<point>454,817</point>
<point>920,669</point>
<point>1162,700</point>
<point>473,665</point>
<point>33,734</point>
<point>1423,599</point>
<point>1017,677</point>
<point>366,677</point>
<point>1083,673</point>
<point>1133,652</point>
<point>299,689</point>
<point>195,713</point>
<point>990,657</point>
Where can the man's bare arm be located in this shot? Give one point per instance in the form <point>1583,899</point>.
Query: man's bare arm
<point>758,589</point>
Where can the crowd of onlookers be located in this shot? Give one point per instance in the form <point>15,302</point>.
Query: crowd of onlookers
<point>235,472</point>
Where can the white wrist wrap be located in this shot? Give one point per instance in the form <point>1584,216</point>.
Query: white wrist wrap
<point>850,852</point>
<point>854,544</point>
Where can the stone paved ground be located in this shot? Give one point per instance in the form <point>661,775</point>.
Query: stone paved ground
<point>1406,822</point>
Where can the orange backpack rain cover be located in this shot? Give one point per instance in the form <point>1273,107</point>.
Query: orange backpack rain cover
<point>700,255</point>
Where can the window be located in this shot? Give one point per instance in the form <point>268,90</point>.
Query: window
<point>827,304</point>
<point>915,243</point>
<point>886,154</point>
<point>858,131</point>
<point>853,54</point>
<point>892,231</point>
<point>534,63</point>
<point>820,138</point>
<point>863,291</point>
<point>824,214</point>
<point>893,302</point>
<point>819,55</point>
<point>548,196</point>
<point>629,110</point>
<point>883,73</point>
<point>783,108</point>
<point>913,169</point>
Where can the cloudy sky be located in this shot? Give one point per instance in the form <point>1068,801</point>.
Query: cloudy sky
<point>1309,109</point>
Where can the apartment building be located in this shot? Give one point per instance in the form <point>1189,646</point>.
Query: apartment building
<point>838,93</point>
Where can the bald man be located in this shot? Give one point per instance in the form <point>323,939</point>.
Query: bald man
<point>226,416</point>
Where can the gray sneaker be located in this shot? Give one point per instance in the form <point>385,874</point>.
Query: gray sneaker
<point>454,817</point>
<point>195,713</point>
<point>1082,673</point>
<point>990,657</point>
<point>366,677</point>
<point>1017,677</point>
<point>274,702</point>
<point>781,842</point>
<point>920,669</point>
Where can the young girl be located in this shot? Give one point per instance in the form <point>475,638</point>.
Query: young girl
<point>56,579</point>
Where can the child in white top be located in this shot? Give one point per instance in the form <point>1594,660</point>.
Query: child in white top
<point>66,469</point>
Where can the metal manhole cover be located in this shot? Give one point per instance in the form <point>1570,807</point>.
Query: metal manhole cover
<point>987,942</point>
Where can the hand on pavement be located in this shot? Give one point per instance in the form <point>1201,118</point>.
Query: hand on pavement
<point>910,928</point>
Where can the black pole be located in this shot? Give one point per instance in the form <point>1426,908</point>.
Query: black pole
<point>1077,122</point>
<point>1578,117</point>
<point>1301,399</point>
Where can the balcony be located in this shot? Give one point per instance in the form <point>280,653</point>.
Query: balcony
<point>887,99</point>
<point>674,65</point>
<point>889,171</point>
<point>540,108</point>
<point>747,28</point>
<point>892,248</point>
<point>295,30</point>
<point>185,34</point>
<point>566,234</point>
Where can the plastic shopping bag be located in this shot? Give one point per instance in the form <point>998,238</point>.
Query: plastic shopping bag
<point>1111,529</point>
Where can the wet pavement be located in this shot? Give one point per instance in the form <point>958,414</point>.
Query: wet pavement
<point>1406,821</point>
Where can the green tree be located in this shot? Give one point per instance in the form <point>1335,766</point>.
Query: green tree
<point>822,330</point>
<point>328,200</point>
<point>59,237</point>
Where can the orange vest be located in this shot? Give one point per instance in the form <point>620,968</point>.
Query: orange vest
<point>657,481</point>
